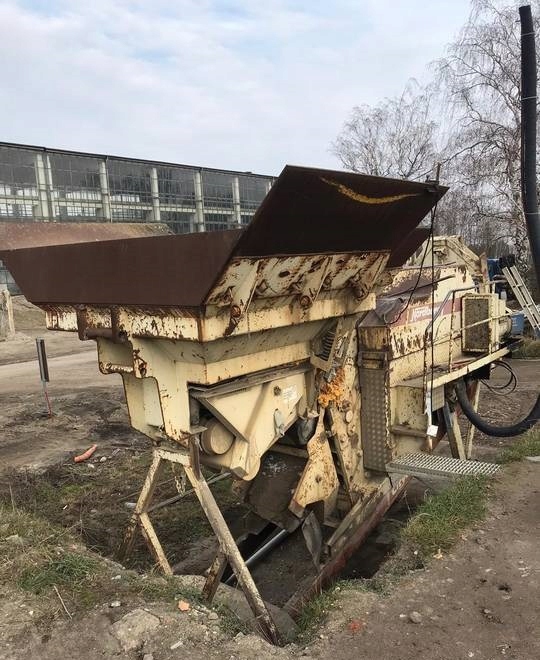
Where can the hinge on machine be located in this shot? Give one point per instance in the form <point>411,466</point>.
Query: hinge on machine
<point>372,359</point>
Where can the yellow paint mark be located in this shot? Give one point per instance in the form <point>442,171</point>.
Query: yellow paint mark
<point>364,199</point>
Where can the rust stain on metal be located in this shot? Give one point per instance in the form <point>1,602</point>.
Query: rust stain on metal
<point>332,391</point>
<point>355,539</point>
<point>17,235</point>
<point>407,247</point>
<point>304,215</point>
<point>140,364</point>
<point>157,271</point>
<point>305,302</point>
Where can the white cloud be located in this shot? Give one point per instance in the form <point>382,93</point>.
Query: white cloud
<point>232,84</point>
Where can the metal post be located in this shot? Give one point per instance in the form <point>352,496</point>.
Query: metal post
<point>43,370</point>
<point>228,551</point>
<point>199,202</point>
<point>470,431</point>
<point>214,576</point>
<point>140,517</point>
<point>53,205</point>
<point>105,194</point>
<point>154,187</point>
<point>7,325</point>
<point>236,201</point>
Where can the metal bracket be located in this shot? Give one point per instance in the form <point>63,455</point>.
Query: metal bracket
<point>453,432</point>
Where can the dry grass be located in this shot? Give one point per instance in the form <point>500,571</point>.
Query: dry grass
<point>46,563</point>
<point>91,503</point>
<point>528,349</point>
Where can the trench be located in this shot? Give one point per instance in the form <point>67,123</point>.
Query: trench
<point>96,504</point>
<point>290,567</point>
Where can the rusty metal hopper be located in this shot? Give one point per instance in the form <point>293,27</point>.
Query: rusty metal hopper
<point>307,212</point>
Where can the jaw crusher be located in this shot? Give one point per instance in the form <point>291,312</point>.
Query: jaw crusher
<point>300,354</point>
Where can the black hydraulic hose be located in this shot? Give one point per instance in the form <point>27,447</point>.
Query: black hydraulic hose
<point>528,134</point>
<point>490,429</point>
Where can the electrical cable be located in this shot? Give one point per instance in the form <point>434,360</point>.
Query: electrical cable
<point>433,214</point>
<point>428,248</point>
<point>509,387</point>
<point>529,197</point>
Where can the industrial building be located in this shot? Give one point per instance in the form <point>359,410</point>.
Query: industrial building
<point>38,184</point>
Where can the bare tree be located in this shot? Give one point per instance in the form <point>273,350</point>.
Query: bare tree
<point>476,136</point>
<point>480,79</point>
<point>395,138</point>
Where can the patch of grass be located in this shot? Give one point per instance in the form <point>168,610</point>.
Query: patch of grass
<point>230,623</point>
<point>526,445</point>
<point>159,587</point>
<point>436,525</point>
<point>69,569</point>
<point>153,588</point>
<point>36,556</point>
<point>528,349</point>
<point>314,613</point>
<point>439,521</point>
<point>91,503</point>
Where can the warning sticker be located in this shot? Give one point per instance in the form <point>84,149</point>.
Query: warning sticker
<point>289,393</point>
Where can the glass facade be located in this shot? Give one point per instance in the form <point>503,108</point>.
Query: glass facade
<point>47,185</point>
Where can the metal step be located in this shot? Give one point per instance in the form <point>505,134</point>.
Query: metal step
<point>427,465</point>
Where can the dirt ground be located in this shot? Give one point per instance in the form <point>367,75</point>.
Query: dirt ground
<point>478,602</point>
<point>481,601</point>
<point>88,407</point>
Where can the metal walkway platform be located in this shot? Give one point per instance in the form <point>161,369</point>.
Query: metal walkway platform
<point>427,465</point>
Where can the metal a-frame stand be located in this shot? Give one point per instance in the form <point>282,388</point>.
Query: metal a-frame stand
<point>228,550</point>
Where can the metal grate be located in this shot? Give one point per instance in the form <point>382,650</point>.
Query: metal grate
<point>476,335</point>
<point>427,465</point>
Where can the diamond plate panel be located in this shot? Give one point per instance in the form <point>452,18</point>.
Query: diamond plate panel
<point>374,418</point>
<point>423,465</point>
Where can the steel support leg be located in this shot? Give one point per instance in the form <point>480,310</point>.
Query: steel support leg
<point>230,550</point>
<point>475,385</point>
<point>453,433</point>
<point>228,553</point>
<point>140,517</point>
<point>214,576</point>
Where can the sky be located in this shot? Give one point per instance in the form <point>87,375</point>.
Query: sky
<point>234,84</point>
